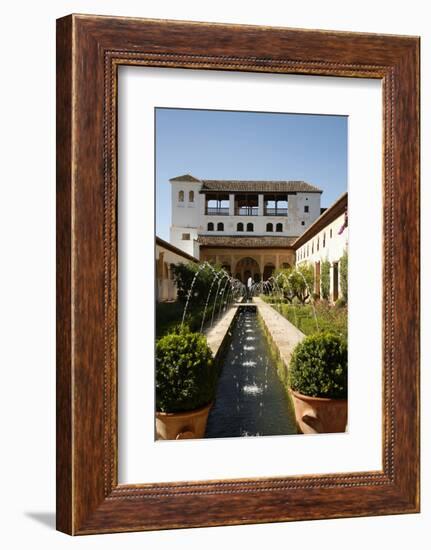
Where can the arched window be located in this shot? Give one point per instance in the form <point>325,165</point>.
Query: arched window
<point>324,240</point>
<point>240,227</point>
<point>269,227</point>
<point>211,226</point>
<point>250,227</point>
<point>220,226</point>
<point>279,227</point>
<point>191,196</point>
<point>318,242</point>
<point>181,196</point>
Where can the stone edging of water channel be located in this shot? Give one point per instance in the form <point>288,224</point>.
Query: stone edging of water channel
<point>282,333</point>
<point>218,335</point>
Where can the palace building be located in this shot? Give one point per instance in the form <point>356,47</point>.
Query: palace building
<point>166,256</point>
<point>249,227</point>
<point>326,240</point>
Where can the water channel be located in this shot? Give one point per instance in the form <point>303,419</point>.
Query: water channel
<point>250,400</point>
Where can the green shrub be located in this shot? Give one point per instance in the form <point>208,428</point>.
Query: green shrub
<point>344,268</point>
<point>329,318</point>
<point>341,302</point>
<point>325,279</point>
<point>169,315</point>
<point>296,283</point>
<point>186,376</point>
<point>184,275</point>
<point>318,367</point>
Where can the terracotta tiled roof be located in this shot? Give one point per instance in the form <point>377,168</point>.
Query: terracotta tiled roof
<point>185,177</point>
<point>245,242</point>
<point>252,186</point>
<point>175,249</point>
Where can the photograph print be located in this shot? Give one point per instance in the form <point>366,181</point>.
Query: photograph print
<point>251,274</point>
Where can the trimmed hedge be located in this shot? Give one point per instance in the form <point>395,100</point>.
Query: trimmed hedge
<point>318,367</point>
<point>186,376</point>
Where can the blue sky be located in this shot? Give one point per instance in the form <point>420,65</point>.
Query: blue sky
<point>248,146</point>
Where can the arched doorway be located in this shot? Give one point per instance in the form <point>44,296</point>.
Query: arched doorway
<point>248,267</point>
<point>268,270</point>
<point>226,267</point>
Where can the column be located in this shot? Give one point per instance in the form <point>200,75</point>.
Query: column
<point>231,204</point>
<point>260,204</point>
<point>202,203</point>
<point>331,282</point>
<point>262,265</point>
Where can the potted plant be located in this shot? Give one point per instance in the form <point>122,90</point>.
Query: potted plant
<point>317,381</point>
<point>186,379</point>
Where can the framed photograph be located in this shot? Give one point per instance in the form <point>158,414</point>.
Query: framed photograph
<point>237,274</point>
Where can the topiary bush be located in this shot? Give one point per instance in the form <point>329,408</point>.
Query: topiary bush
<point>186,376</point>
<point>318,367</point>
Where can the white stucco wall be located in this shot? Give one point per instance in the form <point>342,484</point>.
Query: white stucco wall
<point>334,248</point>
<point>327,244</point>
<point>186,216</point>
<point>292,223</point>
<point>189,246</point>
<point>166,289</point>
<point>189,218</point>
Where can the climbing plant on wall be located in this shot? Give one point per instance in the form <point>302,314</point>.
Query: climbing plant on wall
<point>325,279</point>
<point>344,260</point>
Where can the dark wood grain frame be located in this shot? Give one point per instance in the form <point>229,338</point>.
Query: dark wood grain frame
<point>89,51</point>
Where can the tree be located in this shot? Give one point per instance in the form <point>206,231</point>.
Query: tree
<point>344,261</point>
<point>281,275</point>
<point>325,279</point>
<point>184,275</point>
<point>296,282</point>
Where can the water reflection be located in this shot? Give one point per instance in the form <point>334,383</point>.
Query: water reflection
<point>250,401</point>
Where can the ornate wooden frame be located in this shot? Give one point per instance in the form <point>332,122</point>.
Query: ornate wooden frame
<point>89,51</point>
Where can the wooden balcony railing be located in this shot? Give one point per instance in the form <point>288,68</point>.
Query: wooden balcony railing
<point>217,211</point>
<point>247,211</point>
<point>275,212</point>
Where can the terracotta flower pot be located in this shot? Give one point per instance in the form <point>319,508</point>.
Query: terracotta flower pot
<point>319,414</point>
<point>182,425</point>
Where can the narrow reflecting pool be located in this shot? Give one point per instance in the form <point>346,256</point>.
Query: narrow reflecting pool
<point>250,400</point>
